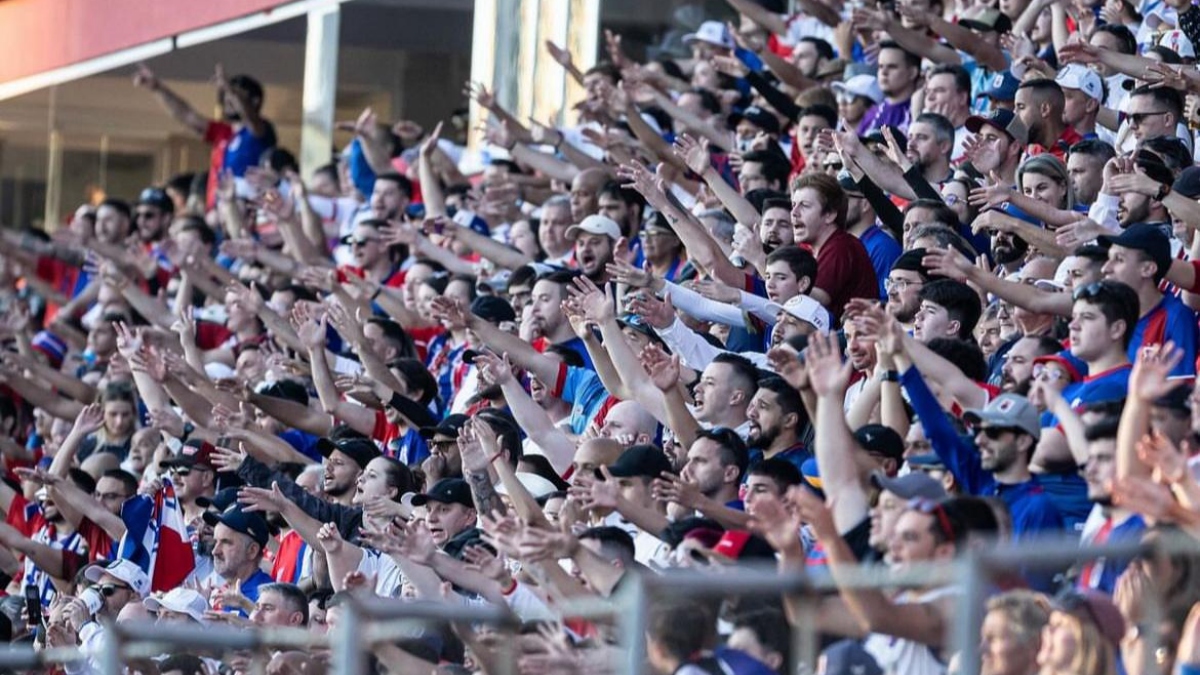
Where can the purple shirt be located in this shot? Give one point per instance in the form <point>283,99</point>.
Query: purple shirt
<point>895,114</point>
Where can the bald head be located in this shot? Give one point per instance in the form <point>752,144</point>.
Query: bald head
<point>630,423</point>
<point>593,454</point>
<point>1039,268</point>
<point>585,193</point>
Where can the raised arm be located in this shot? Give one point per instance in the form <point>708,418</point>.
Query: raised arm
<point>829,378</point>
<point>362,420</point>
<point>695,154</point>
<point>952,264</point>
<point>175,106</point>
<point>532,418</point>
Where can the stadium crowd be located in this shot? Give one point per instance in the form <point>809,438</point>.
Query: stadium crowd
<point>860,286</point>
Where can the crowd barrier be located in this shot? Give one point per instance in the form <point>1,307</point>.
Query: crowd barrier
<point>371,620</point>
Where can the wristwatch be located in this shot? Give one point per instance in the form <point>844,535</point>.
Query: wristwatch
<point>891,376</point>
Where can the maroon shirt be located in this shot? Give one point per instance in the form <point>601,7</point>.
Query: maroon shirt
<point>844,271</point>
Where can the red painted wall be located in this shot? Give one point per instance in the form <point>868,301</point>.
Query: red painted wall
<point>41,35</point>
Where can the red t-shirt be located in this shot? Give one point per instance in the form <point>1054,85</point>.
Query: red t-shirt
<point>844,271</point>
<point>217,135</point>
<point>384,432</point>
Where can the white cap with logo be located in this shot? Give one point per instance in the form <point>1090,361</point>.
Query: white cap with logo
<point>712,32</point>
<point>122,570</point>
<point>809,311</point>
<point>181,600</point>
<point>1077,76</point>
<point>596,224</point>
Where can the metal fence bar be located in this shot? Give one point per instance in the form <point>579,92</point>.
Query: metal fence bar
<point>369,619</point>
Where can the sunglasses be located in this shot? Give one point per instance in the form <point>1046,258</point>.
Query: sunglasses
<point>109,590</point>
<point>995,433</point>
<point>935,509</point>
<point>144,214</point>
<point>180,472</point>
<point>1089,292</point>
<point>1137,119</point>
<point>357,243</point>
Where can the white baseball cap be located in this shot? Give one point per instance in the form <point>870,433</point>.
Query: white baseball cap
<point>596,224</point>
<point>1077,76</point>
<point>712,32</point>
<point>861,85</point>
<point>182,600</point>
<point>122,570</point>
<point>1176,41</point>
<point>534,484</point>
<point>809,311</point>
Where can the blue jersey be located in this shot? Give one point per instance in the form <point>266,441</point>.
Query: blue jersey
<point>1109,385</point>
<point>1169,320</point>
<point>883,251</point>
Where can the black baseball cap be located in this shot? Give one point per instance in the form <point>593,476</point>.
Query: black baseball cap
<point>446,491</point>
<point>1188,183</point>
<point>288,390</point>
<point>989,20</point>
<point>493,309</point>
<point>361,450</point>
<point>1145,237</point>
<point>876,136</point>
<point>645,461</point>
<point>249,524</point>
<point>447,427</point>
<point>878,439</point>
<point>220,501</point>
<point>1004,120</point>
<point>758,117</point>
<point>158,198</point>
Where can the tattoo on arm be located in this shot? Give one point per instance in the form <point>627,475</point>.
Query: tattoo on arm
<point>486,499</point>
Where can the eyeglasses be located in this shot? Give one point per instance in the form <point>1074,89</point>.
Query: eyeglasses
<point>950,199</point>
<point>935,509</point>
<point>1045,373</point>
<point>109,590</point>
<point>1136,119</point>
<point>900,285</point>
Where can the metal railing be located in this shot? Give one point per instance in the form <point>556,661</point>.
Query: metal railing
<point>365,621</point>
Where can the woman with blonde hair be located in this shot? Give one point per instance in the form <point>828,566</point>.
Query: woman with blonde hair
<point>1081,636</point>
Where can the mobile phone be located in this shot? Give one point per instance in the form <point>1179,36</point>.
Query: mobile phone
<point>33,607</point>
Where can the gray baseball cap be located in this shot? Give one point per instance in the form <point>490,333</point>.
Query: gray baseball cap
<point>1011,411</point>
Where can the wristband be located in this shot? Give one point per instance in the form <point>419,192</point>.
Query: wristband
<point>1163,191</point>
<point>561,139</point>
<point>891,376</point>
<point>494,457</point>
<point>512,587</point>
<point>375,295</point>
<point>397,401</point>
<point>188,428</point>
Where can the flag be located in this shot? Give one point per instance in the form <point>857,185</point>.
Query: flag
<point>156,538</point>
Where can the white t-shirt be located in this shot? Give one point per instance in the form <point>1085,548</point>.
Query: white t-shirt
<point>897,656</point>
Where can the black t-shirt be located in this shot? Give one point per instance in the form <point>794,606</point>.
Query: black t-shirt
<point>92,445</point>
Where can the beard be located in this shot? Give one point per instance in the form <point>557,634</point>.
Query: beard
<point>1010,253</point>
<point>764,438</point>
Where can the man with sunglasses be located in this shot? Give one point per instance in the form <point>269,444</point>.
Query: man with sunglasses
<point>997,464</point>
<point>118,584</point>
<point>194,477</point>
